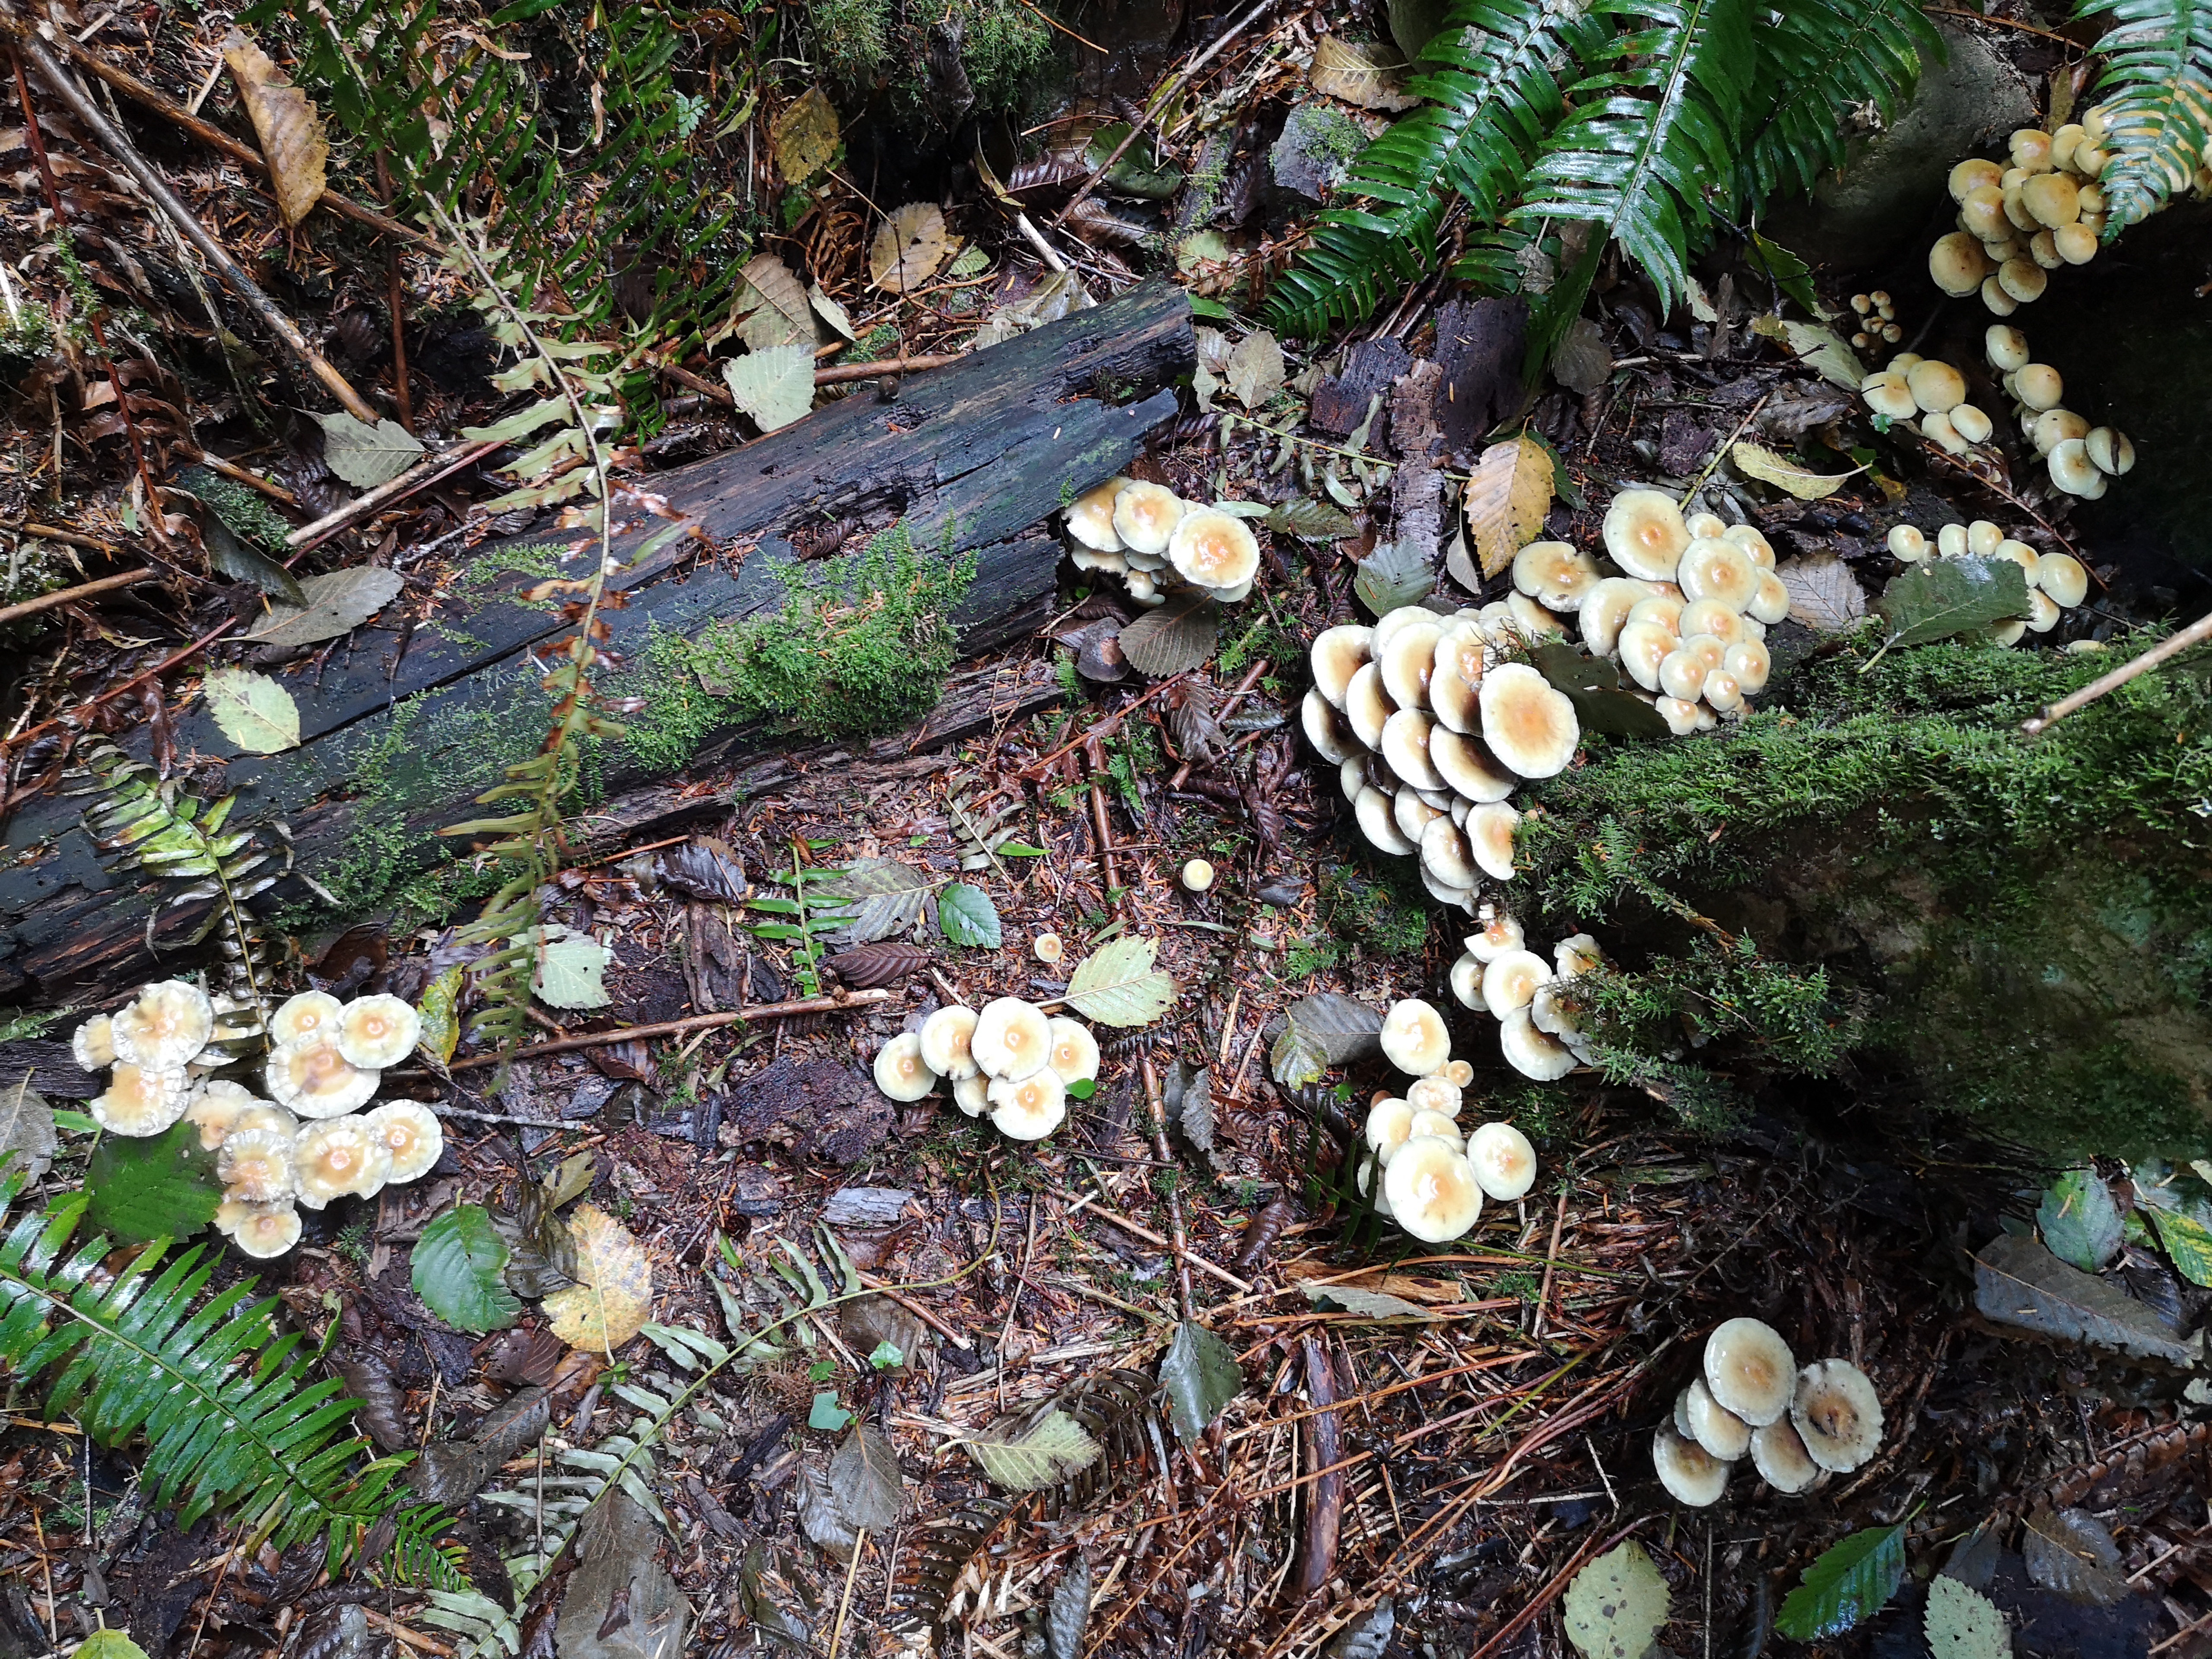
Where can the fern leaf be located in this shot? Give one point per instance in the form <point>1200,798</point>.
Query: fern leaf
<point>1819,58</point>
<point>224,1403</point>
<point>1492,97</point>
<point>2157,94</point>
<point>1652,131</point>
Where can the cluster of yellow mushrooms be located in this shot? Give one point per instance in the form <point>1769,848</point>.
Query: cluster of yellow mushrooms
<point>1877,320</point>
<point>2017,224</point>
<point>1796,1425</point>
<point>2082,458</point>
<point>1008,1059</point>
<point>1435,1177</point>
<point>1140,531</point>
<point>1498,973</point>
<point>323,1063</point>
<point>1932,394</point>
<point>2056,582</point>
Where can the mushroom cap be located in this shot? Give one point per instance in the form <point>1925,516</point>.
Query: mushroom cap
<point>1045,947</point>
<point>1552,1012</point>
<point>1214,550</point>
<point>1467,982</point>
<point>1074,1056</point>
<point>2016,552</point>
<point>1711,617</point>
<point>1661,603</point>
<point>1907,544</point>
<point>141,1100</point>
<point>1644,644</point>
<point>2006,633</point>
<point>1414,814</point>
<point>1499,933</point>
<point>2076,244</point>
<point>1532,1053</point>
<point>1489,829</point>
<point>256,1166</point>
<point>410,1132</point>
<point>2111,450</point>
<point>1145,516</point>
<point>1777,1452</point>
<point>1604,611</point>
<point>1405,745</point>
<point>215,1107</point>
<point>1390,1123</point>
<point>1367,706</point>
<point>1328,730</point>
<point>1690,1474</point>
<point>1714,1426</point>
<point>1028,1108</point>
<point>1721,692</point>
<point>336,1157</point>
<point>1468,766</point>
<point>2052,198</point>
<point>1531,621</point>
<point>1091,516</point>
<point>1704,524</point>
<point>972,1095</point>
<point>1011,1040</point>
<point>1434,1093</point>
<point>1406,661</point>
<point>2043,248</point>
<point>1460,1073</point>
<point>1681,717</point>
<point>1748,664</point>
<point>1982,214</point>
<point>1415,1038</point>
<point>375,1032</point>
<point>1529,724</point>
<point>1890,397</point>
<point>264,1230</point>
<point>1452,898</point>
<point>1972,424</point>
<point>1557,574</point>
<point>1645,533</point>
<point>945,1036</point>
<point>1454,699</point>
<point>1972,174</point>
<point>1140,584</point>
<point>1984,537</point>
<point>311,1013</point>
<point>1337,653</point>
<point>2043,612</point>
<point>899,1071</point>
<point>1750,1370</point>
<point>2072,471</point>
<point>1435,1125</point>
<point>1509,979</point>
<point>1718,570</point>
<point>1836,1414</point>
<point>1446,856</point>
<point>92,1044</point>
<point>1938,429</point>
<point>166,1026</point>
<point>1377,820</point>
<point>314,1079</point>
<point>1682,1415</point>
<point>1936,386</point>
<point>1432,1190</point>
<point>1957,264</point>
<point>2061,576</point>
<point>2038,385</point>
<point>1197,875</point>
<point>1951,541</point>
<point>2006,347</point>
<point>1505,1162</point>
<point>1683,671</point>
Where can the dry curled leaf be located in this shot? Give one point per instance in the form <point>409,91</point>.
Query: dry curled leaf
<point>885,962</point>
<point>1823,592</point>
<point>909,246</point>
<point>612,1298</point>
<point>1506,500</point>
<point>286,124</point>
<point>1371,76</point>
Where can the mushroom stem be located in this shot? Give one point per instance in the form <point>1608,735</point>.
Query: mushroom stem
<point>1157,1103</point>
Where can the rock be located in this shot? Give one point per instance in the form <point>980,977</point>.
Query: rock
<point>1895,178</point>
<point>1318,143</point>
<point>1415,23</point>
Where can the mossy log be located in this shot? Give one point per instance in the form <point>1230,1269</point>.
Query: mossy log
<point>407,722</point>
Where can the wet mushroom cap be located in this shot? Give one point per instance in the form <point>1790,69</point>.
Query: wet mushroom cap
<point>1367,706</point>
<point>1645,533</point>
<point>2006,347</point>
<point>1434,1093</point>
<point>1771,603</point>
<point>215,1107</point>
<point>165,1026</point>
<point>1532,1053</point>
<point>1435,1127</point>
<point>1432,1190</point>
<point>256,1166</point>
<point>972,1094</point>
<point>2113,451</point>
<point>315,1080</point>
<point>375,1032</point>
<point>1713,1426</point>
<point>1604,611</point>
<point>2038,385</point>
<point>1718,570</point>
<point>1415,1038</point>
<point>1468,769</point>
<point>1778,1453</point>
<point>1011,1040</point>
<point>336,1157</point>
<point>1750,1370</point>
<point>1972,424</point>
<point>1836,1414</point>
<point>1389,1125</point>
<point>1074,1056</point>
<point>1936,386</point>
<point>1405,745</point>
<point>1465,978</point>
<point>2072,471</point>
<point>1957,265</point>
<point>1328,730</point>
<point>1529,724</point>
<point>410,1132</point>
<point>899,1069</point>
<point>1555,573</point>
<point>1489,829</point>
<point>1645,643</point>
<point>141,1100</point>
<point>1091,516</point>
<point>1510,980</point>
<point>1145,516</point>
<point>1446,856</point>
<point>92,1044</point>
<point>945,1036</point>
<point>265,1230</point>
<point>1460,1073</point>
<point>1499,933</point>
<point>1749,665</point>
<point>311,1013</point>
<point>1972,174</point>
<point>2062,576</point>
<point>1215,549</point>
<point>1378,823</point>
<point>1505,1162</point>
<point>1028,1108</point>
<point>1405,662</point>
<point>1690,1474</point>
<point>1337,654</point>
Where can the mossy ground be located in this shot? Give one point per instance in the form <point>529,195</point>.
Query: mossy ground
<point>1003,47</point>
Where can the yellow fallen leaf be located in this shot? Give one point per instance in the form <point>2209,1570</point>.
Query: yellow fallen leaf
<point>1757,461</point>
<point>805,137</point>
<point>909,246</point>
<point>612,1298</point>
<point>288,124</point>
<point>1506,500</point>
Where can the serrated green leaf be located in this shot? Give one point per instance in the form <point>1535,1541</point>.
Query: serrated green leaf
<point>1941,597</point>
<point>870,899</point>
<point>460,1268</point>
<point>251,710</point>
<point>2081,1224</point>
<point>966,915</point>
<point>1027,1458</point>
<point>1117,984</point>
<point>338,604</point>
<point>1396,574</point>
<point>2188,1242</point>
<point>570,972</point>
<point>1173,636</point>
<point>1850,1582</point>
<point>774,385</point>
<point>109,1645</point>
<point>440,1013</point>
<point>366,456</point>
<point>1962,1623</point>
<point>1312,521</point>
<point>1616,1605</point>
<point>1787,272</point>
<point>1200,1375</point>
<point>159,1185</point>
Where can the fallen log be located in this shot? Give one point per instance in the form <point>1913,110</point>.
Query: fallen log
<point>406,723</point>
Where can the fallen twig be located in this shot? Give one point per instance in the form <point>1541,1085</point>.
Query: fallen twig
<point>1158,1104</point>
<point>2195,634</point>
<point>416,477</point>
<point>82,591</point>
<point>851,1000</point>
<point>1091,1205</point>
<point>139,678</point>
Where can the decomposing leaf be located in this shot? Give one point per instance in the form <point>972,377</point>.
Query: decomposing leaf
<point>1343,1030</point>
<point>1824,595</point>
<point>803,136</point>
<point>1789,273</point>
<point>865,1480</point>
<point>1188,1097</point>
<point>366,456</point>
<point>1940,597</point>
<point>1506,499</point>
<point>909,246</point>
<point>774,385</point>
<point>885,962</point>
<point>286,124</point>
<point>1962,1623</point>
<point>1177,635</point>
<point>1365,1303</point>
<point>2071,1552</point>
<point>2080,1223</point>
<point>1819,349</point>
<point>1757,461</point>
<point>1593,685</point>
<point>837,316</point>
<point>1058,295</point>
<point>705,867</point>
<point>966,915</point>
<point>1581,361</point>
<point>1024,1457</point>
<point>1371,76</point>
<point>1396,574</point>
<point>1312,521</point>
<point>2019,1284</point>
<point>1295,1058</point>
<point>251,710</point>
<point>228,556</point>
<point>1849,1582</point>
<point>771,308</point>
<point>2187,1238</point>
<point>820,1519</point>
<point>1117,984</point>
<point>337,603</point>
<point>1200,1375</point>
<point>1069,1615</point>
<point>1254,373</point>
<point>541,1254</point>
<point>884,897</point>
<point>458,1268</point>
<point>1367,1637</point>
<point>441,1012</point>
<point>571,970</point>
<point>620,1602</point>
<point>1616,1604</point>
<point>612,1298</point>
<point>27,1131</point>
<point>1137,172</point>
<point>152,1187</point>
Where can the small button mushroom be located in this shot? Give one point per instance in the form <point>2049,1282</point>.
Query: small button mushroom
<point>2031,150</point>
<point>1972,174</point>
<point>2111,450</point>
<point>2092,123</point>
<point>2072,471</point>
<point>315,1080</point>
<point>1972,424</point>
<point>1645,533</point>
<point>1011,1040</point>
<point>337,1157</point>
<point>1030,1107</point>
<point>1690,1474</point>
<point>2023,279</point>
<point>1713,1426</point>
<point>1390,1126</point>
<point>1215,550</point>
<point>2062,141</point>
<point>2043,248</point>
<point>1951,541</point>
<point>165,1026</point>
<point>1498,934</point>
<point>1466,981</point>
<point>1048,948</point>
<point>1327,730</point>
<point>264,1230</point>
<point>215,1107</point>
<point>2000,303</point>
<point>2006,347</point>
<point>1505,1162</point>
<point>1090,517</point>
<point>1936,386</point>
<point>1889,398</point>
<point>1406,661</point>
<point>378,1031</point>
<point>2015,205</point>
<point>1434,1093</point>
<point>1957,264</point>
<point>2038,386</point>
<point>411,1133</point>
<point>256,1167</point>
<point>1778,1453</point>
<point>1982,537</point>
<point>1367,705</point>
<point>1862,304</point>
<point>1771,604</point>
<point>1881,298</point>
<point>1722,693</point>
<point>1907,544</point>
<point>1641,647</point>
<point>2043,612</point>
<point>1145,516</point>
<point>2093,203</point>
<point>1939,431</point>
<point>310,1013</point>
<point>1510,981</point>
<point>1415,1038</point>
<point>900,1072</point>
<point>1836,1414</point>
<point>2020,553</point>
<point>1435,1127</point>
<point>2075,244</point>
<point>1378,822</point>
<point>1460,1073</point>
<point>944,1042</point>
<point>1904,362</point>
<point>972,1095</point>
<point>2090,160</point>
<point>1891,333</point>
<point>1605,610</point>
<point>1719,569</point>
<point>2053,199</point>
<point>1679,713</point>
<point>2008,633</point>
<point>1528,724</point>
<point>1405,748</point>
<point>1197,875</point>
<point>1750,1370</point>
<point>2063,577</point>
<point>1432,1190</point>
<point>1748,665</point>
<point>1143,586</point>
<point>1337,654</point>
<point>1711,617</point>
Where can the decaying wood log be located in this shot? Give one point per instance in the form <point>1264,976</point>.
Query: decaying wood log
<point>402,726</point>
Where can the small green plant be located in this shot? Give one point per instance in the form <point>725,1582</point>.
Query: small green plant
<point>242,512</point>
<point>808,908</point>
<point>1375,906</point>
<point>353,1239</point>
